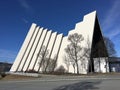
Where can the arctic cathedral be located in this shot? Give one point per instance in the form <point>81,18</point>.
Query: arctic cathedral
<point>40,41</point>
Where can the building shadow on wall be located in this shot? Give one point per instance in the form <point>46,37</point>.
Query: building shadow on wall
<point>85,85</point>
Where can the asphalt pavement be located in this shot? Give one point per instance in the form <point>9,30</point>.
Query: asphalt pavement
<point>101,82</point>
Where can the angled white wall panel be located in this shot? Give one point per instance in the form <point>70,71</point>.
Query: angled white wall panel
<point>56,46</point>
<point>36,50</point>
<point>23,48</point>
<point>45,44</point>
<point>36,66</point>
<point>62,53</point>
<point>31,52</point>
<point>24,60</point>
<point>50,45</point>
<point>48,36</point>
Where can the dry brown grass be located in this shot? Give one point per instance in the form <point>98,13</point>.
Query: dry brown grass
<point>20,77</point>
<point>17,77</point>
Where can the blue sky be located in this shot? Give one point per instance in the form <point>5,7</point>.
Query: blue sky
<point>16,17</point>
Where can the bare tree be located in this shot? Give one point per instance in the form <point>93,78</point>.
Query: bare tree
<point>46,64</point>
<point>110,47</point>
<point>60,70</point>
<point>52,64</point>
<point>74,48</point>
<point>43,58</point>
<point>73,64</point>
<point>86,53</point>
<point>67,62</point>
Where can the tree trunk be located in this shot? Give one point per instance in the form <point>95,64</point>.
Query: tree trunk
<point>40,64</point>
<point>54,65</point>
<point>47,64</point>
<point>77,68</point>
<point>74,68</point>
<point>68,69</point>
<point>99,66</point>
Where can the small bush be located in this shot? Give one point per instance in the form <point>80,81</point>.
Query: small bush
<point>60,70</point>
<point>3,74</point>
<point>31,71</point>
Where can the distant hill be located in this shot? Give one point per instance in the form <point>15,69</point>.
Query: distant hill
<point>5,67</point>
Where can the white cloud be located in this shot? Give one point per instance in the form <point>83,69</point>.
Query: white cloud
<point>24,20</point>
<point>113,33</point>
<point>111,24</point>
<point>25,5</point>
<point>7,55</point>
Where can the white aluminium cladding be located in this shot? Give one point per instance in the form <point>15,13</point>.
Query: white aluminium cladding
<point>27,58</point>
<point>35,39</point>
<point>86,28</point>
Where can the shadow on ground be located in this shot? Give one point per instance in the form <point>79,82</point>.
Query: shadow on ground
<point>85,85</point>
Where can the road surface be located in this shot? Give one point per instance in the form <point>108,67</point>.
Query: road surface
<point>65,83</point>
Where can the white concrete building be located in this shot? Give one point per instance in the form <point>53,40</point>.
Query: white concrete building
<point>37,37</point>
